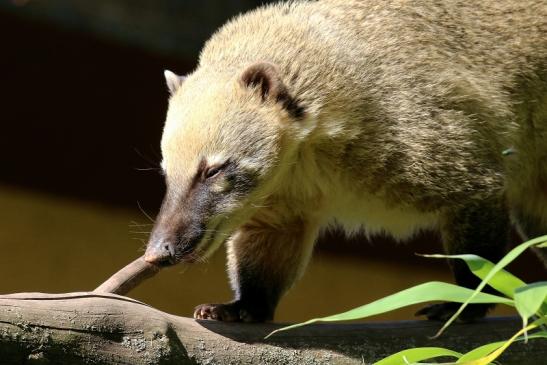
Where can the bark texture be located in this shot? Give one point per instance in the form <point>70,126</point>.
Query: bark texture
<point>95,328</point>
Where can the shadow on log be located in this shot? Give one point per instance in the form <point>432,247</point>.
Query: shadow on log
<point>96,328</point>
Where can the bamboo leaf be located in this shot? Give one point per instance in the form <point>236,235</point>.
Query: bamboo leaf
<point>480,352</point>
<point>484,350</point>
<point>529,299</point>
<point>506,260</point>
<point>496,353</point>
<point>426,292</point>
<point>417,354</point>
<point>502,281</point>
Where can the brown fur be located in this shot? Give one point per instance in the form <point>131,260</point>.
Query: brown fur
<point>382,116</point>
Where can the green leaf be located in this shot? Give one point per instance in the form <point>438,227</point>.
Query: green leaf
<point>506,260</point>
<point>417,354</point>
<point>496,353</point>
<point>485,350</point>
<point>426,292</point>
<point>411,356</point>
<point>502,281</point>
<point>530,298</point>
<point>480,352</point>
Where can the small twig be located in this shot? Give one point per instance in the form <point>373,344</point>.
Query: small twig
<point>129,277</point>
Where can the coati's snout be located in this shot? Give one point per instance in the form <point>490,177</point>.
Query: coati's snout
<point>198,213</point>
<point>186,224</point>
<point>167,246</point>
<point>161,251</point>
<point>175,235</point>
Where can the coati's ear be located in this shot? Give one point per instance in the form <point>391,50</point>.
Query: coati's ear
<point>173,81</point>
<point>265,77</point>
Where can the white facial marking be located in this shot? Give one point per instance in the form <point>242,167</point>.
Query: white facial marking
<point>217,159</point>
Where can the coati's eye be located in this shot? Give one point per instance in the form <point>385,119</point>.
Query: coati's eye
<point>212,171</point>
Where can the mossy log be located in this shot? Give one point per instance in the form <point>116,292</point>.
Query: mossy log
<point>96,328</point>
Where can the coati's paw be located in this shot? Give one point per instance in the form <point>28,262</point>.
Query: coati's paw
<point>219,312</point>
<point>229,312</point>
<point>443,311</point>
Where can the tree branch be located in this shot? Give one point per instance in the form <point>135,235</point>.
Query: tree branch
<point>82,328</point>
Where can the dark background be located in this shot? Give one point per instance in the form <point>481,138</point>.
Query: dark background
<point>82,105</point>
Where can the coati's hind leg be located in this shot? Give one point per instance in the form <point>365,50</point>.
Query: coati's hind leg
<point>482,229</point>
<point>530,226</point>
<point>263,263</point>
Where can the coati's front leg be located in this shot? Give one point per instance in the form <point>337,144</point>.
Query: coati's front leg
<point>480,228</point>
<point>263,262</point>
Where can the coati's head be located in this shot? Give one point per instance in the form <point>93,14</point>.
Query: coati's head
<point>222,143</point>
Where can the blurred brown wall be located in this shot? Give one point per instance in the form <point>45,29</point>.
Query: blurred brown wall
<point>80,116</point>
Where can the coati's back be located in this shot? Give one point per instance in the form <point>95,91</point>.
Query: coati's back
<point>381,45</point>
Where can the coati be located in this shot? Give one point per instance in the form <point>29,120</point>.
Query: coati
<point>375,115</point>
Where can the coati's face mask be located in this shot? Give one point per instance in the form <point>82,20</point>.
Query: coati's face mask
<point>222,149</point>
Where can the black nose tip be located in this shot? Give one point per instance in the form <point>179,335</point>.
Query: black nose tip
<point>160,252</point>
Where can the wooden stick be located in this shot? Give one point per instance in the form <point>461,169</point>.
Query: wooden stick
<point>129,277</point>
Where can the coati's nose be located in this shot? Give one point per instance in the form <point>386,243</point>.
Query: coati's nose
<point>160,252</point>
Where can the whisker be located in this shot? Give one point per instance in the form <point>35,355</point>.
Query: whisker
<point>203,260</point>
<point>142,248</point>
<point>135,225</point>
<point>147,159</point>
<point>143,212</point>
<point>183,269</point>
<point>261,206</point>
<point>221,234</point>
<point>147,169</point>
